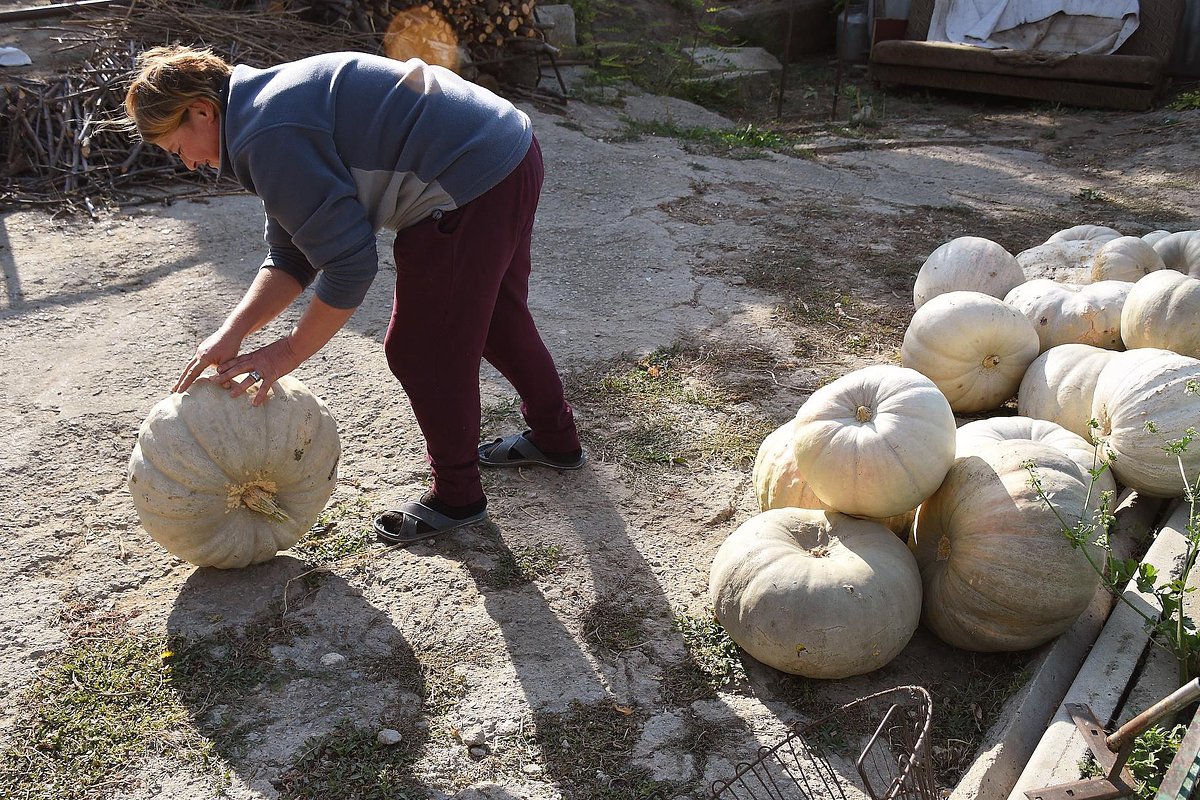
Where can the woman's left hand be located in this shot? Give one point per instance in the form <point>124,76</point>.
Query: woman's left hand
<point>263,366</point>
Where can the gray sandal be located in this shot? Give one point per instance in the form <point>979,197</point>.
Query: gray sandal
<point>415,521</point>
<point>518,451</point>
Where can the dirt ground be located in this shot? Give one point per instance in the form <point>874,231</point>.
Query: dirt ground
<point>693,293</point>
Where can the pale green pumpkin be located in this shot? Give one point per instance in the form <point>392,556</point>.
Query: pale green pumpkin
<point>998,572</point>
<point>816,593</point>
<point>219,482</point>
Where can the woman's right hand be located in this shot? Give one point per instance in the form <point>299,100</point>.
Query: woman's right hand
<point>216,349</point>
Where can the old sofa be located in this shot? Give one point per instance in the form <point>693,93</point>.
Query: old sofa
<point>1131,78</point>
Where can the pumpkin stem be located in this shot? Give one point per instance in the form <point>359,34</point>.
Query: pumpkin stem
<point>863,414</point>
<point>943,550</point>
<point>258,499</point>
<point>990,362</point>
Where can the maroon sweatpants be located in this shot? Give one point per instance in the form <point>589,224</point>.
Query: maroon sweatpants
<point>462,289</point>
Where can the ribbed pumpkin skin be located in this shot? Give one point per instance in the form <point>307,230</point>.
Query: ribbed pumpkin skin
<point>1085,233</point>
<point>974,347</point>
<point>998,572</point>
<point>875,442</point>
<point>1067,261</point>
<point>968,262</point>
<point>1163,311</point>
<point>198,452</point>
<point>984,432</point>
<point>1141,386</point>
<point>816,594</point>
<point>1180,251</point>
<point>1064,313</point>
<point>1059,384</point>
<point>778,482</point>
<point>1128,258</point>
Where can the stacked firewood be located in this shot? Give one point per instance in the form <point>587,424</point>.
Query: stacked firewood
<point>486,29</point>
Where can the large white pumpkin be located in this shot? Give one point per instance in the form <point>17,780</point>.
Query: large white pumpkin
<point>1063,261</point>
<point>1127,258</point>
<point>974,347</point>
<point>998,572</point>
<point>778,482</point>
<point>968,262</point>
<point>219,482</point>
<point>1086,233</point>
<point>1163,311</point>
<point>875,442</point>
<point>1088,456</point>
<point>1089,254</point>
<point>1181,252</point>
<point>1144,399</point>
<point>1063,313</point>
<point>1059,384</point>
<point>817,594</point>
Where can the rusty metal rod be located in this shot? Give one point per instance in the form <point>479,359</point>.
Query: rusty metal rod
<point>1184,695</point>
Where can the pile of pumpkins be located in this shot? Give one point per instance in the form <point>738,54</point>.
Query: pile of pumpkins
<point>878,511</point>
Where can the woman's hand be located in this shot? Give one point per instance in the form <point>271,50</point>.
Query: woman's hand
<point>213,351</point>
<point>263,366</point>
<point>271,292</point>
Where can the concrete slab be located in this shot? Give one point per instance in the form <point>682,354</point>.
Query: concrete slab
<point>748,72</point>
<point>722,60</point>
<point>1106,674</point>
<point>559,22</point>
<point>1011,741</point>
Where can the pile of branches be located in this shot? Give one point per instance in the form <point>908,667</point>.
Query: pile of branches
<point>60,139</point>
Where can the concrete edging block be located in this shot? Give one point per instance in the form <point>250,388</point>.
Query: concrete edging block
<point>1108,670</point>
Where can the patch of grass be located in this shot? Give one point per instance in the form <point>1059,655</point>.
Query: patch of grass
<point>803,694</point>
<point>521,567</point>
<point>341,531</point>
<point>678,406</point>
<point>848,323</point>
<point>219,668</point>
<point>589,752</point>
<point>729,142</point>
<point>713,661</point>
<point>98,710</point>
<point>1185,101</point>
<point>787,274</point>
<point>500,414</point>
<point>965,708</point>
<point>611,624</point>
<point>349,764</point>
<point>431,675</point>
<point>661,376</point>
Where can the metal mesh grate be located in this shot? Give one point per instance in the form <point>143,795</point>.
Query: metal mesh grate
<point>889,732</point>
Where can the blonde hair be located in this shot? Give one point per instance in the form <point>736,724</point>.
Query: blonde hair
<point>168,79</point>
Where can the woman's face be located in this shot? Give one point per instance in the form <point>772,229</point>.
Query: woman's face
<point>197,140</point>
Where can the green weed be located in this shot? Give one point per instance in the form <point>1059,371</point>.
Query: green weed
<point>1153,750</point>
<point>713,661</point>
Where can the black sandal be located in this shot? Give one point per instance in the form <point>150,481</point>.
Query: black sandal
<point>415,521</point>
<point>517,451</point>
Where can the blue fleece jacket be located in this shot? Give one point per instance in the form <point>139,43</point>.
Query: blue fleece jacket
<point>340,145</point>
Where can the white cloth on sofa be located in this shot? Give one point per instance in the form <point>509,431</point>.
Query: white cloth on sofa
<point>1055,26</point>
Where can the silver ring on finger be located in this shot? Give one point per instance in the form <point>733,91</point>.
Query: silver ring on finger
<point>255,375</point>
